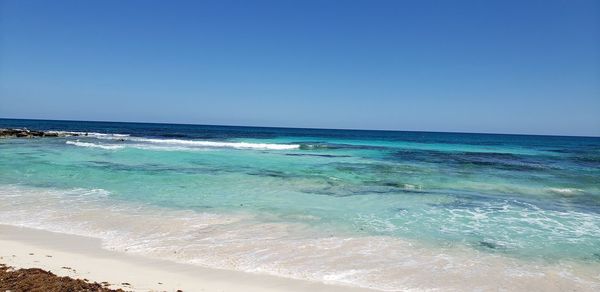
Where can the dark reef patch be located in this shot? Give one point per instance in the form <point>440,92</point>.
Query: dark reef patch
<point>268,173</point>
<point>316,155</point>
<point>489,245</point>
<point>503,161</point>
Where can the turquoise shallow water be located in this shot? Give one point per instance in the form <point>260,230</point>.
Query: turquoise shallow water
<point>518,199</point>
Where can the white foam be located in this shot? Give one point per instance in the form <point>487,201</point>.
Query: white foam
<point>565,191</point>
<point>215,144</point>
<point>241,242</point>
<point>181,145</point>
<point>107,136</point>
<point>151,143</point>
<point>411,187</point>
<point>100,135</point>
<point>94,145</point>
<point>88,134</point>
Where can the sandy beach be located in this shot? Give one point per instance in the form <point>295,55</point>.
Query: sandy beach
<point>83,258</point>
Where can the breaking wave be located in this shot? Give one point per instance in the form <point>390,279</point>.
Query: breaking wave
<point>216,144</point>
<point>94,145</point>
<point>176,144</point>
<point>243,242</point>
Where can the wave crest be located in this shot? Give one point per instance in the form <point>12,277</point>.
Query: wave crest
<point>94,145</point>
<point>175,144</point>
<point>215,144</point>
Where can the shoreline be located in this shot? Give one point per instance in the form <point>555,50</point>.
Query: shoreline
<point>82,257</point>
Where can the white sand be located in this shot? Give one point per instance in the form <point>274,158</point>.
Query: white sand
<point>84,258</point>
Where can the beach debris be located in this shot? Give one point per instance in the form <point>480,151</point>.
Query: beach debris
<point>26,279</point>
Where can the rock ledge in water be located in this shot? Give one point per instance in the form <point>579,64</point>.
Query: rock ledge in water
<point>25,133</point>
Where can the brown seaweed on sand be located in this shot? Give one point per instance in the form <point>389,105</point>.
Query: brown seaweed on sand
<point>39,280</point>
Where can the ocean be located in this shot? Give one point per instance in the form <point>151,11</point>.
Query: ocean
<point>387,210</point>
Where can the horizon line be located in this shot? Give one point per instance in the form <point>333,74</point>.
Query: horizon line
<point>300,128</point>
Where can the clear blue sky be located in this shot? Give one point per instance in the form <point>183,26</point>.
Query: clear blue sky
<point>474,66</point>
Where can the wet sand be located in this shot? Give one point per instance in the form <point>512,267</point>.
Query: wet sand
<point>83,258</point>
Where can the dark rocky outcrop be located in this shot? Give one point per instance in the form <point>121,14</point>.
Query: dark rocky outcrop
<point>25,133</point>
